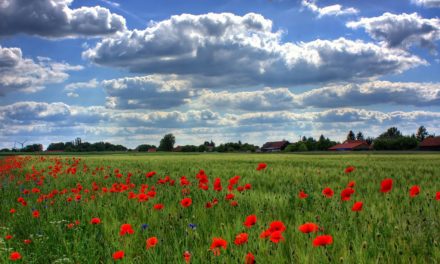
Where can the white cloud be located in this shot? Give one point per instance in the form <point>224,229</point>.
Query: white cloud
<point>427,3</point>
<point>150,92</point>
<point>26,75</point>
<point>402,30</point>
<point>219,50</point>
<point>55,19</point>
<point>50,122</point>
<point>331,10</point>
<point>364,94</point>
<point>93,83</point>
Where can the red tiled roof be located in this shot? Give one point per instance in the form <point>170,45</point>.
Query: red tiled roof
<point>349,144</point>
<point>275,144</point>
<point>430,142</point>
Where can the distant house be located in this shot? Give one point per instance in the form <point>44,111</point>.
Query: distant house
<point>275,146</point>
<point>350,145</point>
<point>152,150</point>
<point>177,149</point>
<point>431,143</point>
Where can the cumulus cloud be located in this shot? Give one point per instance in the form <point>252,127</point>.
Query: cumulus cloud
<point>206,48</point>
<point>149,92</point>
<point>55,19</point>
<point>51,121</point>
<point>21,74</point>
<point>427,3</point>
<point>402,30</point>
<point>364,94</point>
<point>331,10</point>
<point>93,83</point>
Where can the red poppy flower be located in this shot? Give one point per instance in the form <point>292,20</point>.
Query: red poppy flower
<point>8,237</point>
<point>27,241</point>
<point>437,196</point>
<point>250,221</point>
<point>15,256</point>
<point>308,228</point>
<point>351,184</point>
<point>118,255</point>
<point>229,196</point>
<point>217,243</point>
<point>346,194</point>
<point>95,221</point>
<point>276,237</point>
<point>265,234</point>
<point>217,185</point>
<point>233,203</point>
<point>158,206</point>
<point>357,206</point>
<point>150,174</point>
<point>277,226</point>
<point>386,185</point>
<point>302,195</point>
<point>36,214</point>
<point>323,240</point>
<point>241,239</point>
<point>126,229</point>
<point>187,256</point>
<point>261,166</point>
<point>151,242</point>
<point>186,202</point>
<point>249,259</point>
<point>12,211</point>
<point>349,169</point>
<point>414,191</point>
<point>328,192</point>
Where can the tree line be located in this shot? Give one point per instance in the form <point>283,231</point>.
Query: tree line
<point>391,139</point>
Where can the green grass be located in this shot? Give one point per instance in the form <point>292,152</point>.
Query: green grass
<point>391,228</point>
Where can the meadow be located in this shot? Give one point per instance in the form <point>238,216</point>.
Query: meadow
<point>140,208</point>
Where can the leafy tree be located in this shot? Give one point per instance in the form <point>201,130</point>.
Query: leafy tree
<point>167,142</point>
<point>351,136</point>
<point>422,133</point>
<point>392,132</point>
<point>359,136</point>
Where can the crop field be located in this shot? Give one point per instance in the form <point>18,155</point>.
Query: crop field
<point>220,208</point>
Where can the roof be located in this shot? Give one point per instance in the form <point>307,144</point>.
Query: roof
<point>275,144</point>
<point>430,142</point>
<point>349,144</point>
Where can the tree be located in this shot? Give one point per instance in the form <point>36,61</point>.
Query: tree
<point>350,135</point>
<point>359,136</point>
<point>422,133</point>
<point>167,142</point>
<point>144,147</point>
<point>392,132</point>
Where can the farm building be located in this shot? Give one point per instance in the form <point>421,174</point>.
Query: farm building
<point>431,143</point>
<point>152,150</point>
<point>275,146</point>
<point>350,145</point>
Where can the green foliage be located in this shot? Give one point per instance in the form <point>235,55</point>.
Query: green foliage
<point>144,147</point>
<point>422,133</point>
<point>351,136</point>
<point>236,147</point>
<point>79,146</point>
<point>167,143</point>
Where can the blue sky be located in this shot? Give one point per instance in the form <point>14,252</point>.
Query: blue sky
<point>130,71</point>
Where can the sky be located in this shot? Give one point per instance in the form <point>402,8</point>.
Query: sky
<point>129,72</point>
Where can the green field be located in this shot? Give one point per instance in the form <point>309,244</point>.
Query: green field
<point>391,228</point>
